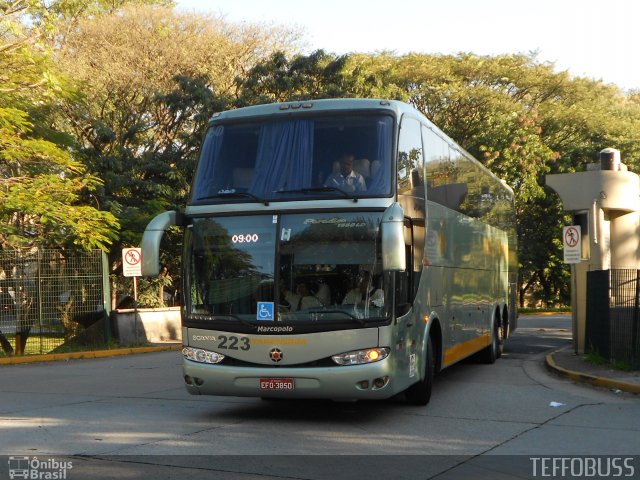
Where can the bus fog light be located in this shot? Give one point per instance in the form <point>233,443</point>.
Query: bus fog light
<point>380,382</point>
<point>188,380</point>
<point>201,356</point>
<point>364,384</point>
<point>359,357</point>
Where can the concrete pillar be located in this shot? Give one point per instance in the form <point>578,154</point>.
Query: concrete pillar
<point>625,240</point>
<point>608,197</point>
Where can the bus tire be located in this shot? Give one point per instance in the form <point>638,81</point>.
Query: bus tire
<point>420,393</point>
<point>494,351</point>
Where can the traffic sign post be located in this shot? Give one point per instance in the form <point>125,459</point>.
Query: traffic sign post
<point>132,267</point>
<point>572,241</point>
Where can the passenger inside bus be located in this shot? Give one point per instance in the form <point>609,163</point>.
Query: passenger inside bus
<point>366,293</point>
<point>346,178</point>
<point>323,292</point>
<point>306,298</point>
<point>288,299</point>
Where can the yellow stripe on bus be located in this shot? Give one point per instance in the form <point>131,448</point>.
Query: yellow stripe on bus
<point>463,350</point>
<point>278,341</point>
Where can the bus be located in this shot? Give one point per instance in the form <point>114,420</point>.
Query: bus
<point>338,249</point>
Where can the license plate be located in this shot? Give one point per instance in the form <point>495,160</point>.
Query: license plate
<point>276,384</point>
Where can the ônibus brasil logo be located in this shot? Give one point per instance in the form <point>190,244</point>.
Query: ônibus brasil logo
<point>33,468</point>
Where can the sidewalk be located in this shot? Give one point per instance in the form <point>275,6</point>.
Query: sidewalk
<point>54,357</point>
<point>565,362</point>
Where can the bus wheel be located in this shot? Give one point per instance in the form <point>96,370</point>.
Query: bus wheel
<point>420,393</point>
<point>494,350</point>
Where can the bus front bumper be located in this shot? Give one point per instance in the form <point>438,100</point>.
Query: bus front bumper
<point>353,382</point>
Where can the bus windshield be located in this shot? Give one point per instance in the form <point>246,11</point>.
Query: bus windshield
<point>321,267</point>
<point>333,156</point>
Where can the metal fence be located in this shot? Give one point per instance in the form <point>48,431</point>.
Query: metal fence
<point>613,315</point>
<point>52,300</point>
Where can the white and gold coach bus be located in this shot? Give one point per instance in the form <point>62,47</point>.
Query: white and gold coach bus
<point>342,249</point>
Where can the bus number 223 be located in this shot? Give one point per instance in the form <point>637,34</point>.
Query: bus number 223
<point>231,343</point>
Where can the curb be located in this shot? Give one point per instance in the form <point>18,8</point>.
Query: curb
<point>543,314</point>
<point>56,357</point>
<point>590,379</point>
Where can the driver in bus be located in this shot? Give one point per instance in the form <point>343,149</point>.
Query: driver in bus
<point>346,178</point>
<point>365,293</point>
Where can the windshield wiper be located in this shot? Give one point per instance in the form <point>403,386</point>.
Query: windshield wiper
<point>361,321</point>
<point>321,189</point>
<point>229,316</point>
<point>236,195</point>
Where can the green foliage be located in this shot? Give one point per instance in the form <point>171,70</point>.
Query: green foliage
<point>533,311</point>
<point>92,135</point>
<point>143,104</point>
<point>313,76</point>
<point>41,184</point>
<point>596,358</point>
<point>540,251</point>
<point>277,79</point>
<point>149,290</point>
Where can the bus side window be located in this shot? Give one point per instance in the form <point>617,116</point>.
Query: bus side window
<point>410,162</point>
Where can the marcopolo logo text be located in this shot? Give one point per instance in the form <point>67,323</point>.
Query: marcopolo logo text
<point>272,329</point>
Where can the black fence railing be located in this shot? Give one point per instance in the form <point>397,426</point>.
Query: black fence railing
<point>51,300</point>
<point>613,315</point>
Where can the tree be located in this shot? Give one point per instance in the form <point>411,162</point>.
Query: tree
<point>144,102</point>
<point>41,191</point>
<point>41,184</point>
<point>313,76</point>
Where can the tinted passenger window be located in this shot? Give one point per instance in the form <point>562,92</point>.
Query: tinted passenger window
<point>455,181</point>
<point>410,160</point>
<point>444,179</point>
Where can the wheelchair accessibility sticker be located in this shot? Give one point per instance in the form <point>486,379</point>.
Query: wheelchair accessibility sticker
<point>265,311</point>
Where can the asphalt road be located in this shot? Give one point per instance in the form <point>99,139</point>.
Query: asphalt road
<point>130,417</point>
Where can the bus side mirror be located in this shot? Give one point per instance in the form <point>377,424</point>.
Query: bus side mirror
<point>393,251</point>
<point>151,242</point>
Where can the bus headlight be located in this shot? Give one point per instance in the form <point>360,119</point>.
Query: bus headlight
<point>359,357</point>
<point>201,356</point>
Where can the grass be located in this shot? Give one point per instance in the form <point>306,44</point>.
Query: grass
<point>545,310</point>
<point>72,347</point>
<point>596,359</point>
<point>37,345</point>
